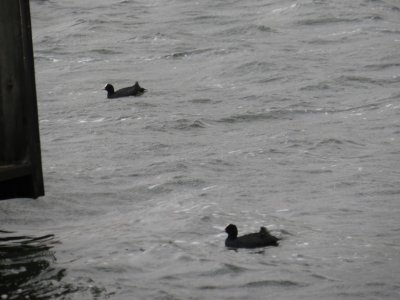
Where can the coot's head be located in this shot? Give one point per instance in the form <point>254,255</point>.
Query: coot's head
<point>232,231</point>
<point>109,88</point>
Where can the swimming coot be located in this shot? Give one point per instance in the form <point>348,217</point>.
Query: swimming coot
<point>134,90</point>
<point>252,240</point>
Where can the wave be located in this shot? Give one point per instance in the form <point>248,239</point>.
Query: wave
<point>251,117</point>
<point>255,284</point>
<point>276,114</point>
<point>180,124</point>
<point>245,30</point>
<point>276,282</point>
<point>29,270</point>
<point>187,53</point>
<point>350,80</point>
<point>326,21</point>
<point>334,144</point>
<point>382,66</point>
<point>185,124</point>
<point>27,267</point>
<point>254,66</point>
<point>321,86</point>
<point>290,112</point>
<point>201,101</point>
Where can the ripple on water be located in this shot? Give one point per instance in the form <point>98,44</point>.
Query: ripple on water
<point>179,124</point>
<point>29,269</point>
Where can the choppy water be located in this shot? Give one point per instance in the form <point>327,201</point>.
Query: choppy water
<point>276,113</point>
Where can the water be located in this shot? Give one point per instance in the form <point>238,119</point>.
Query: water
<point>269,113</point>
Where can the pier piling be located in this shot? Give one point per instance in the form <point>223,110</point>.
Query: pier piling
<point>20,156</point>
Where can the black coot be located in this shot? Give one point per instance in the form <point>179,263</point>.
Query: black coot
<point>134,90</point>
<point>252,240</point>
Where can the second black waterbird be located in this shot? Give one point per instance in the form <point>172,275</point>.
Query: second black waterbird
<point>252,240</point>
<point>134,90</point>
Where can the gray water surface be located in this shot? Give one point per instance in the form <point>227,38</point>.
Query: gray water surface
<point>282,114</point>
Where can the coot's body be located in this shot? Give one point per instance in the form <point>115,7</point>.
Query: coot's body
<point>134,90</point>
<point>252,240</point>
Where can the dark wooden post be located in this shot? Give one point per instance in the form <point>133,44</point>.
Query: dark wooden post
<point>20,157</point>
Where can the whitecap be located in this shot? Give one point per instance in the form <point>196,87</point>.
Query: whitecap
<point>209,188</point>
<point>98,120</point>
<point>153,186</point>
